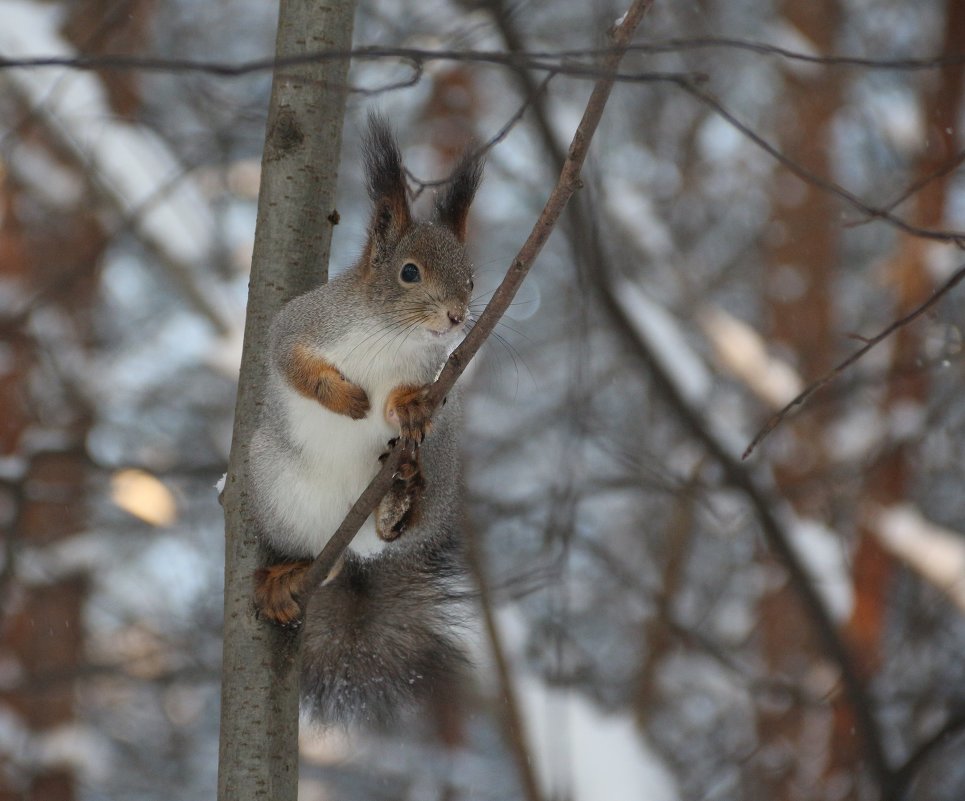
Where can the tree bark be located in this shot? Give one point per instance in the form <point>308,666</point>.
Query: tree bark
<point>802,248</point>
<point>890,480</point>
<point>296,212</point>
<point>54,258</point>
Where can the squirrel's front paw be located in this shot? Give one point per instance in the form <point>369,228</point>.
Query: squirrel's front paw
<point>316,377</point>
<point>336,392</point>
<point>408,408</point>
<point>355,401</point>
<point>276,590</point>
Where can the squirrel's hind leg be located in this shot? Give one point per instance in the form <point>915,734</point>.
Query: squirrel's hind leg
<point>399,510</point>
<point>276,592</point>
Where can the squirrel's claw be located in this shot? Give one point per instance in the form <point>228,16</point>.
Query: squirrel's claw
<point>388,449</point>
<point>286,623</point>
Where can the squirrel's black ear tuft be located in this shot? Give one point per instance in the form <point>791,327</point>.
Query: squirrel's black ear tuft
<point>452,205</point>
<point>386,181</point>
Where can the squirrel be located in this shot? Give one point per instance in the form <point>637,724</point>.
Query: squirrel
<point>350,364</point>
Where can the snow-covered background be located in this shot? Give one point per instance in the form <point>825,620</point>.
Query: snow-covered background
<point>653,643</point>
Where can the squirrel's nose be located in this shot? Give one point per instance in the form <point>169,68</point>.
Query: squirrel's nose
<point>456,318</point>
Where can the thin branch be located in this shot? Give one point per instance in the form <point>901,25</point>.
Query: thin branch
<point>512,715</point>
<point>776,536</point>
<point>945,169</point>
<point>561,62</point>
<point>825,184</point>
<point>503,19</point>
<point>568,183</point>
<point>555,63</point>
<point>418,70</point>
<point>904,776</point>
<point>870,343</point>
<point>418,57</point>
<point>737,476</point>
<point>762,48</point>
<point>482,150</point>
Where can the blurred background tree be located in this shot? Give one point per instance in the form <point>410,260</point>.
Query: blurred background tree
<point>659,619</point>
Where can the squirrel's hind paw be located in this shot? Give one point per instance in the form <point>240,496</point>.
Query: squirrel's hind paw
<point>398,511</point>
<point>276,591</point>
<point>394,516</point>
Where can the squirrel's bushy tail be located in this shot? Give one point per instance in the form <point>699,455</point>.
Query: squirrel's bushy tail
<point>379,637</point>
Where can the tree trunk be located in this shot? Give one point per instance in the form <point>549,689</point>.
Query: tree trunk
<point>890,480</point>
<point>259,699</point>
<point>51,254</point>
<point>802,249</point>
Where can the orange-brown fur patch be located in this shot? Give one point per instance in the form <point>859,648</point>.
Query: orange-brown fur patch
<point>317,378</point>
<point>408,407</point>
<point>276,591</point>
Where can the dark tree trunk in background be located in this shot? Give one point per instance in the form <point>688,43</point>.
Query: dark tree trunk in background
<point>53,257</point>
<point>802,252</point>
<point>42,625</point>
<point>910,277</point>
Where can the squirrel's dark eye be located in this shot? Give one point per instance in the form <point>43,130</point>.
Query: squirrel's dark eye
<point>410,273</point>
<point>471,285</point>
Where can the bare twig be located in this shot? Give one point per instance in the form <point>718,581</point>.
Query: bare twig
<point>870,343</point>
<point>488,145</point>
<point>586,244</point>
<point>527,60</point>
<point>561,62</point>
<point>825,184</point>
<point>512,715</point>
<point>568,183</point>
<point>762,48</point>
<point>953,727</point>
<point>777,537</point>
<point>948,167</point>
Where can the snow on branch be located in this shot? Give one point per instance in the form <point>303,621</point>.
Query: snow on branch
<point>935,553</point>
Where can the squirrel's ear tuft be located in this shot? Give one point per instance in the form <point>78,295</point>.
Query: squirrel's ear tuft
<point>452,205</point>
<point>386,181</point>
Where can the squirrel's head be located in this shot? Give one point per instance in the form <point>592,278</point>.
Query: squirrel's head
<point>418,271</point>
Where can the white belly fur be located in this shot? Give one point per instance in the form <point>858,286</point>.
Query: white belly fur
<point>338,457</point>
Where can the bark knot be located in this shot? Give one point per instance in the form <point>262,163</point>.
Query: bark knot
<point>284,135</point>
